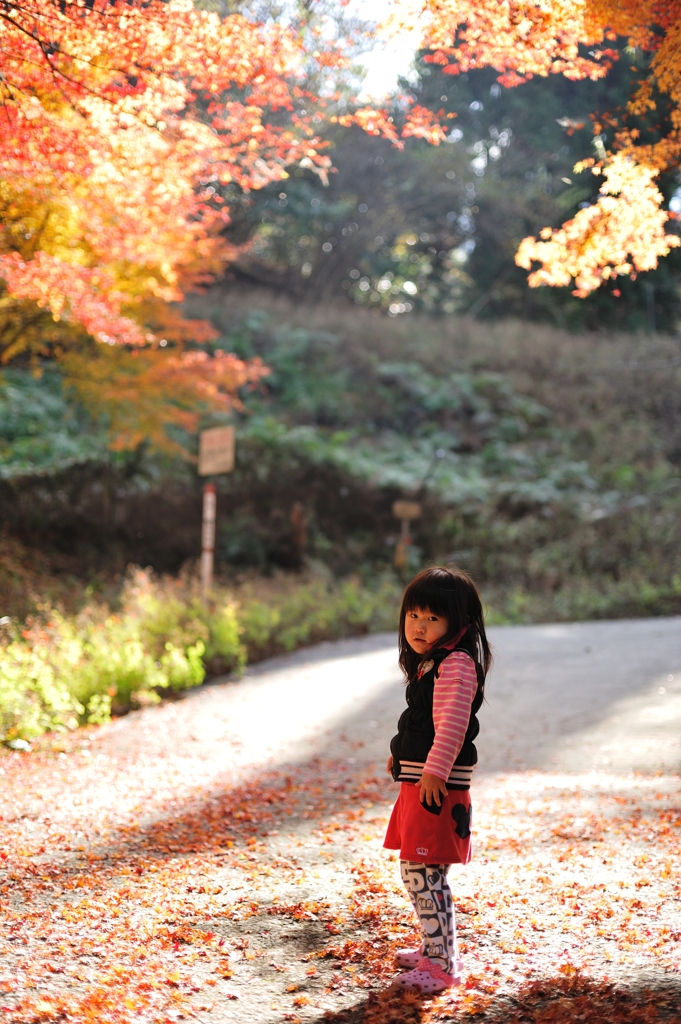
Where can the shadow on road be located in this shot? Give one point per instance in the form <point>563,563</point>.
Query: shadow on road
<point>295,792</point>
<point>232,867</point>
<point>245,814</point>
<point>556,1000</point>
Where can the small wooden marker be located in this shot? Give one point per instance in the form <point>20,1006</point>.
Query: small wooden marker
<point>405,511</point>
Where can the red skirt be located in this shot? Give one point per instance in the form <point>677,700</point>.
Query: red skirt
<point>420,835</point>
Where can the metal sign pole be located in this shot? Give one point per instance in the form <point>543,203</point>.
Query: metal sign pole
<point>208,538</point>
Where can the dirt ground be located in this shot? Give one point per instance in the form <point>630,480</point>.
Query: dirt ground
<point>220,858</point>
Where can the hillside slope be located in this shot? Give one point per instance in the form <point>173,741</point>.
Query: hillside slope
<point>546,463</point>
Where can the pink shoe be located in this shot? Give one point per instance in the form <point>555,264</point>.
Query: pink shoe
<point>408,957</point>
<point>411,958</point>
<point>428,977</point>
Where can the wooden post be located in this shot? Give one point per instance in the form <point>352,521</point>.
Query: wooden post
<point>216,455</point>
<point>401,546</point>
<point>405,511</point>
<point>208,538</point>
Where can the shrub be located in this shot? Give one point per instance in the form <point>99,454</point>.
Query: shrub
<point>106,661</point>
<point>171,612</point>
<point>294,613</point>
<point>33,697</point>
<point>61,671</point>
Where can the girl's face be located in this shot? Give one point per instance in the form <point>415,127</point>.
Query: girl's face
<point>422,629</point>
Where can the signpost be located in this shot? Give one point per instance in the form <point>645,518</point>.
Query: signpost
<point>216,451</point>
<point>405,511</point>
<point>216,455</point>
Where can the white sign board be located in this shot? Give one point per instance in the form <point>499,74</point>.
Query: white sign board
<point>216,451</point>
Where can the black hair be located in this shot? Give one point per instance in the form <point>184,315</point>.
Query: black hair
<point>451,595</point>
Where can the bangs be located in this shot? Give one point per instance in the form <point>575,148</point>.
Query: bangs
<point>432,594</point>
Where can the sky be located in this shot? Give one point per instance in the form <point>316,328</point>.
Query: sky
<point>389,58</point>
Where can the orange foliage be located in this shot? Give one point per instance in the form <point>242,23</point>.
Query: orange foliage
<point>113,114</point>
<point>91,295</point>
<point>518,39</point>
<point>116,118</point>
<point>624,231</point>
<point>419,123</point>
<point>149,389</point>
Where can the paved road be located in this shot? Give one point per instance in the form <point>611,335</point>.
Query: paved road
<point>565,699</point>
<point>569,697</point>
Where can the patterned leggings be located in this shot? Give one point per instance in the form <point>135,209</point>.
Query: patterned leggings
<point>432,898</point>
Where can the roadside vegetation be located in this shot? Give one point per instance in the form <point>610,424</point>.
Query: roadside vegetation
<point>547,464</point>
<point>59,671</point>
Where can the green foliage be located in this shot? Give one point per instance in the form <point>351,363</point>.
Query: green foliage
<point>287,616</point>
<point>542,460</point>
<point>180,630</point>
<point>463,438</point>
<point>41,431</point>
<point>585,599</point>
<point>33,697</point>
<point>62,671</point>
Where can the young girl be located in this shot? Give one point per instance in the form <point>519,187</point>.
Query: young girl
<point>445,657</point>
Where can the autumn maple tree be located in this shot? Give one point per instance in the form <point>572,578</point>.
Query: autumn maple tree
<point>119,121</point>
<point>117,117</point>
<point>625,230</point>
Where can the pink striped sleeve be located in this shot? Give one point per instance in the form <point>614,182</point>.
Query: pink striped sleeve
<point>455,688</point>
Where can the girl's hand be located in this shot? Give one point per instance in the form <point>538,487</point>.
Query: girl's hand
<point>389,767</point>
<point>433,790</point>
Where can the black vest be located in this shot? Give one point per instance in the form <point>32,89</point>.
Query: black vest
<point>416,730</point>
